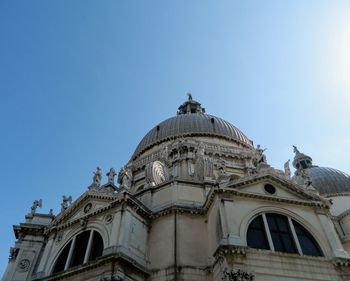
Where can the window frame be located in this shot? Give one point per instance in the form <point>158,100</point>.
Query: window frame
<point>70,256</point>
<point>293,234</point>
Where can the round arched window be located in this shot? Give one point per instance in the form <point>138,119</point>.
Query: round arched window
<point>281,233</point>
<point>84,247</point>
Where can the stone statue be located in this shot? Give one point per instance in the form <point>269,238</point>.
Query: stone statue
<point>13,253</point>
<point>307,179</point>
<point>165,153</point>
<point>126,178</point>
<point>189,96</point>
<point>295,149</point>
<point>36,204</point>
<point>287,169</point>
<point>259,155</point>
<point>111,174</point>
<point>66,202</point>
<point>97,177</point>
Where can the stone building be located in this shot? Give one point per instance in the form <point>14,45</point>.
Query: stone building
<point>196,201</point>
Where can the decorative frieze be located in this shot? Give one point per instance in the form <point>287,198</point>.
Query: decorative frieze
<point>237,275</point>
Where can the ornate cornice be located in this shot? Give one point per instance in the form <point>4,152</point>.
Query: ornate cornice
<point>339,262</point>
<point>130,200</point>
<point>122,199</point>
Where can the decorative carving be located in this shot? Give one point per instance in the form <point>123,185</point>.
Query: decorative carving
<point>66,202</point>
<point>237,275</point>
<point>83,222</point>
<point>108,218</point>
<point>111,174</point>
<point>59,238</point>
<point>87,208</point>
<point>36,204</point>
<point>287,169</point>
<point>157,173</point>
<point>13,253</point>
<point>23,265</point>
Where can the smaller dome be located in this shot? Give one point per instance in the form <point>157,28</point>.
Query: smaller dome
<point>328,181</point>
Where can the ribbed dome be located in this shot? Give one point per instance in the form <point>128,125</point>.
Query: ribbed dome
<point>191,124</point>
<point>328,181</point>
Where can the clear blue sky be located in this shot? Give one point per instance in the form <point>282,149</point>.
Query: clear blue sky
<point>81,82</point>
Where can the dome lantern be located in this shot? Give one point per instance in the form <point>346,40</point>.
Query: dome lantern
<point>301,161</point>
<point>190,106</point>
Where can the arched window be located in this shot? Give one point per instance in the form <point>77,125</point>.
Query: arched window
<point>84,247</point>
<point>281,233</point>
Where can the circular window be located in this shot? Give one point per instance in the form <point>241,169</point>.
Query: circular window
<point>269,188</point>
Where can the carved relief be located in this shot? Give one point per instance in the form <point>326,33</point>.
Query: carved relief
<point>59,238</point>
<point>23,265</point>
<point>108,218</point>
<point>87,208</point>
<point>237,275</point>
<point>157,173</point>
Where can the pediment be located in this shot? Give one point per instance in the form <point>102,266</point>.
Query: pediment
<point>275,187</point>
<point>86,204</point>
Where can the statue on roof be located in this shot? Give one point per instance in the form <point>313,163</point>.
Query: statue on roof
<point>111,174</point>
<point>125,178</point>
<point>66,202</point>
<point>36,204</point>
<point>189,96</point>
<point>260,156</point>
<point>96,180</point>
<point>287,169</point>
<point>295,149</point>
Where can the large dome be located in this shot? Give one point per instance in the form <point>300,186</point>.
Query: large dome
<point>191,121</point>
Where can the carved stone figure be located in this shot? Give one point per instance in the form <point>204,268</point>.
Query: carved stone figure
<point>287,171</point>
<point>13,253</point>
<point>250,168</point>
<point>165,153</point>
<point>295,149</point>
<point>189,96</point>
<point>83,222</point>
<point>111,174</point>
<point>260,156</point>
<point>36,204</point>
<point>97,176</point>
<point>66,202</point>
<point>307,179</point>
<point>96,180</point>
<point>125,178</point>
